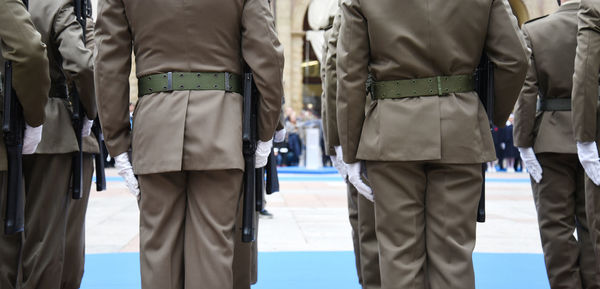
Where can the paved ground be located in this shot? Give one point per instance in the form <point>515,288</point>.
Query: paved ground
<point>310,211</point>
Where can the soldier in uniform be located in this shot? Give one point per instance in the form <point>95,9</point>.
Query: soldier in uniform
<point>187,130</point>
<point>21,44</point>
<point>48,172</point>
<point>545,140</point>
<point>586,121</point>
<point>74,257</point>
<point>426,134</point>
<point>360,210</point>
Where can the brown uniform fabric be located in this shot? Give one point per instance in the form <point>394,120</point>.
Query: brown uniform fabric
<point>560,204</point>
<point>47,182</point>
<point>353,217</point>
<point>330,130</point>
<point>74,257</point>
<point>245,255</point>
<point>585,103</point>
<point>196,123</point>
<point>423,153</point>
<point>552,40</point>
<point>559,197</point>
<point>419,39</point>
<point>434,202</point>
<point>369,249</point>
<point>22,44</point>
<point>10,261</point>
<point>189,214</point>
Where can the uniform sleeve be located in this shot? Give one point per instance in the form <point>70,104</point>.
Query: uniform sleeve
<point>264,54</point>
<point>333,138</point>
<point>22,44</point>
<point>525,109</point>
<point>324,105</point>
<point>76,58</point>
<point>506,48</point>
<point>352,71</point>
<point>585,79</point>
<point>113,65</point>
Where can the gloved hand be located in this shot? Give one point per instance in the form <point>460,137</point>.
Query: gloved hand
<point>531,163</point>
<point>279,135</point>
<point>31,138</point>
<point>338,162</point>
<point>263,150</point>
<point>588,157</point>
<point>86,129</point>
<point>356,181</point>
<point>123,165</point>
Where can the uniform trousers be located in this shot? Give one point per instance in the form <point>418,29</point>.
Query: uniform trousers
<point>369,249</point>
<point>592,209</point>
<point>352,195</point>
<point>187,223</point>
<point>560,204</point>
<point>245,255</point>
<point>47,187</point>
<point>425,216</point>
<point>74,258</point>
<point>9,244</point>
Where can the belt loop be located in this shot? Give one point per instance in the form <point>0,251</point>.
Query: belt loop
<point>439,85</point>
<point>169,81</point>
<point>227,84</point>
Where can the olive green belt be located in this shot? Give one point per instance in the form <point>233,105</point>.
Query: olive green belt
<point>170,81</point>
<point>554,104</point>
<point>437,85</point>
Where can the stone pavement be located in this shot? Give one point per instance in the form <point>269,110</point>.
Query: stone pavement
<point>310,215</point>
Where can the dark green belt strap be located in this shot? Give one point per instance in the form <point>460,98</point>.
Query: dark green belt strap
<point>170,81</point>
<point>437,85</point>
<point>554,104</point>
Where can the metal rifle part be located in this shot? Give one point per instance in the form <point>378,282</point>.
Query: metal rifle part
<point>484,86</point>
<point>99,157</point>
<point>249,140</point>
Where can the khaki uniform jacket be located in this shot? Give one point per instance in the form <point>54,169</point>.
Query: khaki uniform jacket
<point>585,79</point>
<point>552,40</point>
<point>418,39</point>
<point>185,130</point>
<point>330,130</point>
<point>70,61</point>
<point>22,44</point>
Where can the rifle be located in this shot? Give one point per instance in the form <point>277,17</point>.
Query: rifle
<point>99,157</point>
<point>272,180</point>
<point>82,11</point>
<point>484,86</point>
<point>13,127</point>
<point>253,178</point>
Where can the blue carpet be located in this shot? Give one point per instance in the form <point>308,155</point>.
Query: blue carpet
<point>285,177</point>
<point>323,270</point>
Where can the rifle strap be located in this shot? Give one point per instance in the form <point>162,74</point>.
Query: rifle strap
<point>430,86</point>
<point>554,104</point>
<point>170,81</point>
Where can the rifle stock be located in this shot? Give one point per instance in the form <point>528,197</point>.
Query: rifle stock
<point>484,86</point>
<point>99,157</point>
<point>13,128</point>
<point>251,175</point>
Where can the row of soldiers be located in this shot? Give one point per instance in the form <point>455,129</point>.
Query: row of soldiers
<point>404,127</point>
<point>185,138</point>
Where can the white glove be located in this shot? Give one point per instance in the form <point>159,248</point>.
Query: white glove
<point>31,138</point>
<point>588,157</point>
<point>338,162</point>
<point>86,129</point>
<point>263,150</point>
<point>356,181</point>
<point>279,135</point>
<point>531,163</point>
<point>123,165</point>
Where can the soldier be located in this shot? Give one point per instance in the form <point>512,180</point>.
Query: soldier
<point>21,44</point>
<point>547,146</point>
<point>360,210</point>
<point>425,135</point>
<point>48,172</point>
<point>187,129</point>
<point>585,111</point>
<point>74,258</point>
